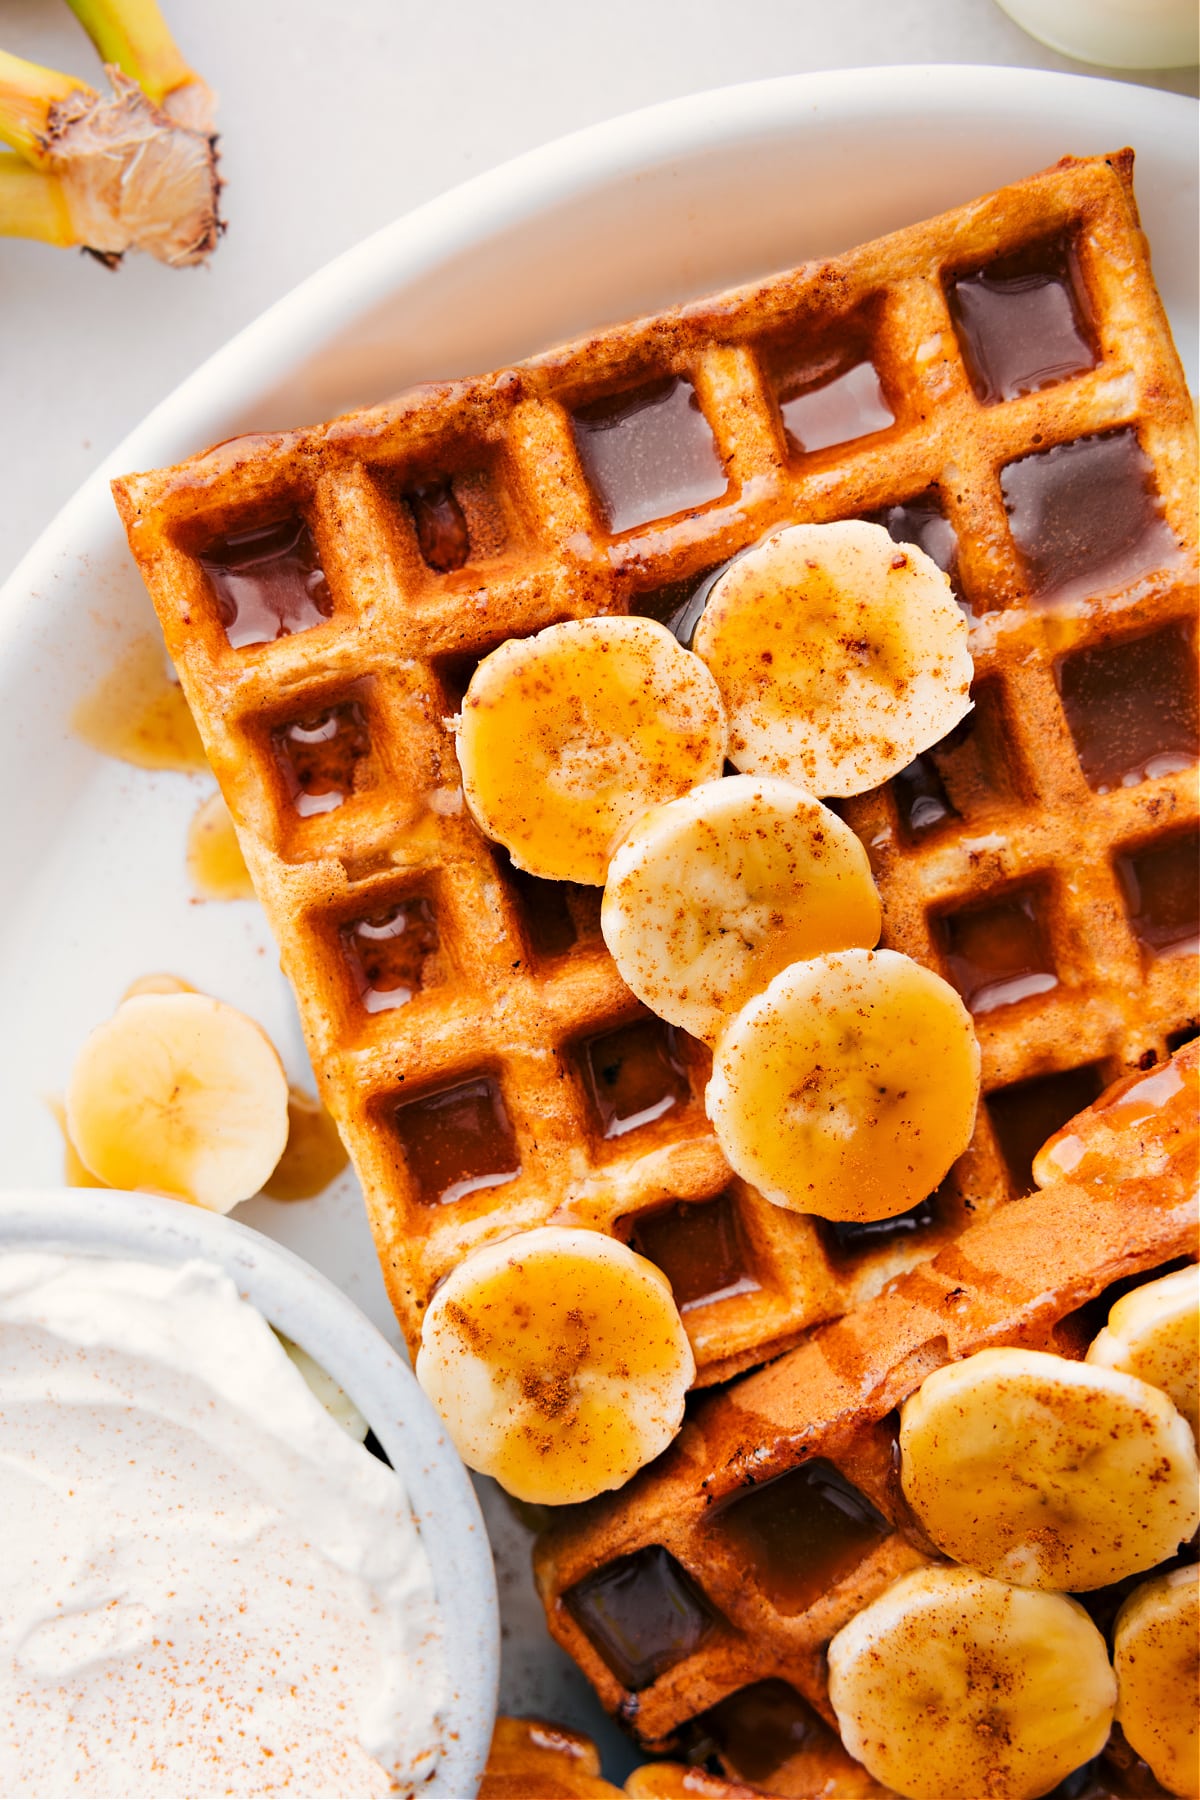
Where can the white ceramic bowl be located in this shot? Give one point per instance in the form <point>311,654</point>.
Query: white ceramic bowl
<point>315,1315</point>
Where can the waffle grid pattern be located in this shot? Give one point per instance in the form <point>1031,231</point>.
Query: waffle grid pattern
<point>518,1026</point>
<point>1023,1276</point>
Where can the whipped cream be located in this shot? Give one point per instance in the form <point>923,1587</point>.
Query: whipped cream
<point>206,1587</point>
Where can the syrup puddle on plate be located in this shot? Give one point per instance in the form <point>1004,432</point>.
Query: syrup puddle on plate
<point>137,713</point>
<point>215,864</point>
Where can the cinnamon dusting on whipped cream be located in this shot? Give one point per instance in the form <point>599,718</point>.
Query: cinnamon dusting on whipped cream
<point>207,1587</point>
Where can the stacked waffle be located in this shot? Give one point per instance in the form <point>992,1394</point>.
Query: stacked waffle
<point>998,385</point>
<point>702,1599</point>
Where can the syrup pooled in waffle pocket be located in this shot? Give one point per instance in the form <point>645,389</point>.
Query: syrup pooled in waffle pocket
<point>997,385</point>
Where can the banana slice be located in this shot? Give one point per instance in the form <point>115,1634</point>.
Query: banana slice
<point>1155,1656</point>
<point>1154,1333</point>
<point>180,1095</point>
<point>567,737</point>
<point>334,1399</point>
<point>952,1686</point>
<point>848,1087</point>
<point>1051,1473</point>
<point>839,653</point>
<point>711,895</point>
<point>157,984</point>
<point>558,1361</point>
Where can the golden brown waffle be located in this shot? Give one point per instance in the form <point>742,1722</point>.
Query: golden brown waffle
<point>531,1759</point>
<point>778,1513</point>
<point>326,593</point>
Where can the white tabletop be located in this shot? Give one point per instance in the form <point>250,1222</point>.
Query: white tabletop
<point>339,115</point>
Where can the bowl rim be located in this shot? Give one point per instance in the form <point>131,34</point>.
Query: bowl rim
<point>301,1302</point>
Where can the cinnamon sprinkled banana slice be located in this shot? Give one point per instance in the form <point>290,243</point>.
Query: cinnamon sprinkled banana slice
<point>182,1095</point>
<point>1157,1663</point>
<point>567,737</point>
<point>1050,1473</point>
<point>559,1362</point>
<point>711,895</point>
<point>848,1087</point>
<point>953,1686</point>
<point>839,653</point>
<point>1154,1333</point>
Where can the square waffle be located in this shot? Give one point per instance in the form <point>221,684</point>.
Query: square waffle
<point>999,385</point>
<point>700,1600</point>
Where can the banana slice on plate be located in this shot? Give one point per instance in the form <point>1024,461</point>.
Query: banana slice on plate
<point>711,895</point>
<point>179,1094</point>
<point>839,653</point>
<point>559,1362</point>
<point>1154,1333</point>
<point>952,1686</point>
<point>567,737</point>
<point>848,1087</point>
<point>1050,1473</point>
<point>1155,1656</point>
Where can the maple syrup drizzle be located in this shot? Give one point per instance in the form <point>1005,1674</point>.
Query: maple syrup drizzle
<point>320,755</point>
<point>440,524</point>
<point>1132,707</point>
<point>851,405</point>
<point>1162,895</point>
<point>996,954</point>
<point>961,777</point>
<point>1022,322</point>
<point>457,1141</point>
<point>313,1156</point>
<point>700,1247</point>
<point>635,1075</point>
<point>394,954</point>
<point>550,927</point>
<point>802,1532</point>
<point>648,454</point>
<point>1085,515</point>
<point>922,522</point>
<point>758,1730</point>
<point>922,802</point>
<point>642,1613</point>
<point>215,864</point>
<point>679,604</point>
<point>268,582</point>
<point>854,1235</point>
<point>1028,1113</point>
<point>137,713</point>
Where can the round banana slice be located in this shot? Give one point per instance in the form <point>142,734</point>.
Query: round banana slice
<point>1050,1473</point>
<point>848,1087</point>
<point>157,984</point>
<point>559,1362</point>
<point>179,1094</point>
<point>711,895</point>
<point>1154,1333</point>
<point>839,653</point>
<point>952,1686</point>
<point>1155,1656</point>
<point>567,737</point>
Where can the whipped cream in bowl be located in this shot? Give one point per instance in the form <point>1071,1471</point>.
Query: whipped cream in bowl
<point>208,1585</point>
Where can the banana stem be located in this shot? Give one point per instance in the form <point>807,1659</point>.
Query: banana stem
<point>133,34</point>
<point>27,93</point>
<point>33,204</point>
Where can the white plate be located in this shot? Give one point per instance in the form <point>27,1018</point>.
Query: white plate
<point>665,204</point>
